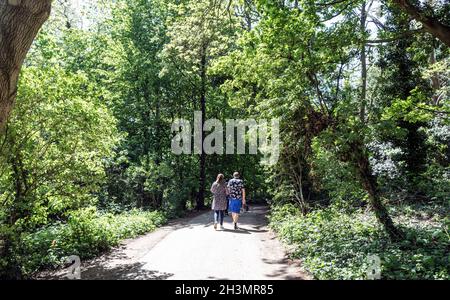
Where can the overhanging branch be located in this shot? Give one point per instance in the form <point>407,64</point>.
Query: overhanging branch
<point>430,24</point>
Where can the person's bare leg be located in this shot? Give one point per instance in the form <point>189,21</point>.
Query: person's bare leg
<point>235,218</point>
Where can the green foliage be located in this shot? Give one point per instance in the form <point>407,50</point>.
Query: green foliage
<point>413,109</point>
<point>87,233</point>
<point>54,147</point>
<point>336,178</point>
<point>436,183</point>
<point>334,244</point>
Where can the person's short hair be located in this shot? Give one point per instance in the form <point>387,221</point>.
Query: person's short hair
<point>236,175</point>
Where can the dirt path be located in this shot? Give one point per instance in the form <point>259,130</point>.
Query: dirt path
<point>192,249</point>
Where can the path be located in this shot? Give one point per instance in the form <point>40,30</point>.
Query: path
<point>192,249</point>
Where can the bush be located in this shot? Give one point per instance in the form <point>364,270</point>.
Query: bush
<point>87,233</point>
<point>336,245</point>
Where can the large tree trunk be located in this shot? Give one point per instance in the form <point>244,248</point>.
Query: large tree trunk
<point>202,181</point>
<point>431,25</point>
<point>20,21</point>
<point>371,186</point>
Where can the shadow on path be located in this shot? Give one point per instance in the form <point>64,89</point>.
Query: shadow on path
<point>134,271</point>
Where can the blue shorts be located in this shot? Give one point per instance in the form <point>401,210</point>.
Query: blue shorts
<point>235,205</point>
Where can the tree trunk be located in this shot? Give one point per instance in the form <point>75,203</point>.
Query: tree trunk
<point>202,183</point>
<point>248,15</point>
<point>20,21</point>
<point>435,82</point>
<point>431,25</point>
<point>158,150</point>
<point>370,185</point>
<point>363,66</point>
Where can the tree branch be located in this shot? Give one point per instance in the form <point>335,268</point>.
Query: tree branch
<point>396,38</point>
<point>431,25</point>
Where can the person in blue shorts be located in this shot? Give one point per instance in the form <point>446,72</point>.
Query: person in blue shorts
<point>236,193</point>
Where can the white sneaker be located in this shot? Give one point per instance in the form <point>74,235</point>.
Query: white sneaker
<point>221,227</point>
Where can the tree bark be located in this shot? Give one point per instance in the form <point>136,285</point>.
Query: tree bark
<point>435,81</point>
<point>202,181</point>
<point>431,25</point>
<point>363,65</point>
<point>371,186</point>
<point>20,21</point>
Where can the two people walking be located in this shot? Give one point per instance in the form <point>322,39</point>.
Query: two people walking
<point>234,190</point>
